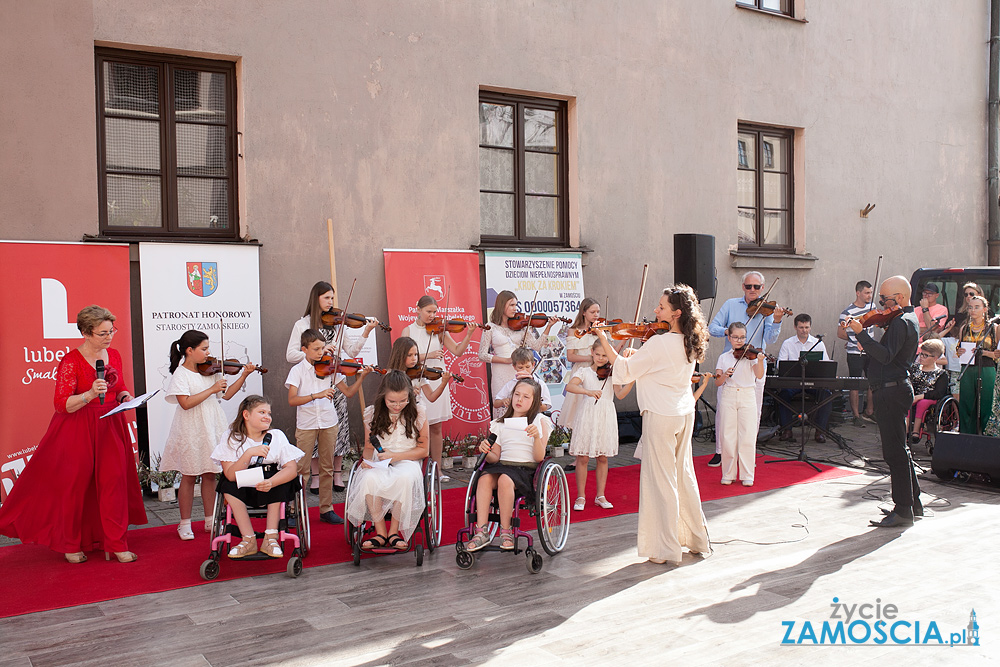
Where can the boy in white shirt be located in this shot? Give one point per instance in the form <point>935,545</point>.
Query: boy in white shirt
<point>523,361</point>
<point>316,417</point>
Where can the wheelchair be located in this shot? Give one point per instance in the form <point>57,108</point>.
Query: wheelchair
<point>549,505</point>
<point>941,418</point>
<point>429,526</point>
<point>293,527</point>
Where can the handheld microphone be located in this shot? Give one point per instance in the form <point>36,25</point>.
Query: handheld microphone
<point>259,460</point>
<point>99,367</point>
<point>491,438</point>
<point>376,444</point>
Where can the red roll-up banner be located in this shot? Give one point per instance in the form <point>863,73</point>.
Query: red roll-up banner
<point>452,278</point>
<point>44,286</point>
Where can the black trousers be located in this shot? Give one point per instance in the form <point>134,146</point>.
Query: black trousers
<point>891,407</point>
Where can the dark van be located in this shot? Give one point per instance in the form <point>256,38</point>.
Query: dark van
<point>950,281</point>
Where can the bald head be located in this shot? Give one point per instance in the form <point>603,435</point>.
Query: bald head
<point>897,288</point>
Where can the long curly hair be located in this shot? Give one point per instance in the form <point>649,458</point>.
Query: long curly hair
<point>394,381</point>
<point>691,322</point>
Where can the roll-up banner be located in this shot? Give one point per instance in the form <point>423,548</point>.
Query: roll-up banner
<point>195,286</point>
<point>45,286</point>
<point>550,283</point>
<point>452,278</point>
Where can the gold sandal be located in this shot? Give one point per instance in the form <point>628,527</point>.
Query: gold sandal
<point>78,557</point>
<point>247,547</point>
<point>270,545</point>
<point>122,556</point>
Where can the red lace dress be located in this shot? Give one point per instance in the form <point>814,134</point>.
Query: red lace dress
<point>79,491</point>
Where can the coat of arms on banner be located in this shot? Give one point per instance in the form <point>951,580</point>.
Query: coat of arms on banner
<point>202,278</point>
<point>434,286</point>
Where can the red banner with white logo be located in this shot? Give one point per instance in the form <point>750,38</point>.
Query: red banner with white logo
<point>44,286</point>
<point>452,278</point>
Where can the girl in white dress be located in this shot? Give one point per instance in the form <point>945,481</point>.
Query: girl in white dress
<point>510,463</point>
<point>246,440</point>
<point>197,425</point>
<point>431,352</point>
<point>596,431</point>
<point>400,426</point>
<point>321,300</point>
<point>578,354</point>
<point>499,341</point>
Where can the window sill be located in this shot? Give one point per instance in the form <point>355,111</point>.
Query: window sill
<point>755,259</point>
<point>779,15</point>
<point>222,240</point>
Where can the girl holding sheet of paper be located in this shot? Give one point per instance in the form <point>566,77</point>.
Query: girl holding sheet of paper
<point>248,438</point>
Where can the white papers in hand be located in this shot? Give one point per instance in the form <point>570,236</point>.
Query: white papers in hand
<point>250,477</point>
<point>518,423</point>
<point>379,464</point>
<point>965,352</point>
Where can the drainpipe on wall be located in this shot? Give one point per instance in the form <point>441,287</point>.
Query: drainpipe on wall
<point>993,189</point>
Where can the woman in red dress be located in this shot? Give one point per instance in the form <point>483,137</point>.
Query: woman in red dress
<point>79,491</point>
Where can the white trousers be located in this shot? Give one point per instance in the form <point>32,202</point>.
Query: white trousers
<point>737,420</point>
<point>760,406</point>
<point>670,515</point>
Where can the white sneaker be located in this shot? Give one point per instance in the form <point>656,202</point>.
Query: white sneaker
<point>727,482</point>
<point>444,478</point>
<point>748,482</point>
<point>603,503</point>
<point>580,504</point>
<point>185,532</point>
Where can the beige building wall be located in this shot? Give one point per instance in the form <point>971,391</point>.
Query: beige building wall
<point>366,112</point>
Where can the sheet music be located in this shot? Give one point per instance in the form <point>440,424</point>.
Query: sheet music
<point>134,403</point>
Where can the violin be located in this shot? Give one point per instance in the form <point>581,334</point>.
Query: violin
<point>327,364</point>
<point>765,308</point>
<point>878,317</point>
<point>429,373</point>
<point>600,322</point>
<point>211,366</point>
<point>520,321</point>
<point>751,353</point>
<point>697,377</point>
<point>627,330</point>
<point>335,317</point>
<point>438,325</point>
<point>604,372</point>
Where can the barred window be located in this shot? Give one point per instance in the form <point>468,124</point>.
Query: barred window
<point>166,146</point>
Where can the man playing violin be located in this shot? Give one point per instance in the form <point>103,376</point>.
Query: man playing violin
<point>888,364</point>
<point>791,349</point>
<point>761,330</point>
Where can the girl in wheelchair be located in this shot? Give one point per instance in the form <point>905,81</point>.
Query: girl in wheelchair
<point>249,443</point>
<point>398,426</point>
<point>521,436</point>
<point>930,384</point>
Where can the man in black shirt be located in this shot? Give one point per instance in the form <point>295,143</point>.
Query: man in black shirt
<point>888,364</point>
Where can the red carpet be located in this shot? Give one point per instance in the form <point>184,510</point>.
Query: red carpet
<point>46,581</point>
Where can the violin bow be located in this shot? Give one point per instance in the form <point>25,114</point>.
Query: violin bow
<point>340,332</point>
<point>524,338</point>
<point>430,336</point>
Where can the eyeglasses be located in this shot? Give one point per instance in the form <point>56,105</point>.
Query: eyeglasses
<point>971,294</point>
<point>737,338</point>
<point>398,403</point>
<point>752,286</point>
<point>105,334</point>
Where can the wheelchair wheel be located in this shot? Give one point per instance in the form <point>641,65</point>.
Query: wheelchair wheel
<point>947,417</point>
<point>432,514</point>
<point>356,552</point>
<point>209,569</point>
<point>534,561</point>
<point>349,532</point>
<point>294,568</point>
<point>552,498</point>
<point>470,507</point>
<point>302,520</point>
<point>465,560</point>
<point>419,551</point>
<point>218,519</point>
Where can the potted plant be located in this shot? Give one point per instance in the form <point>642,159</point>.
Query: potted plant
<point>447,460</point>
<point>558,439</point>
<point>470,451</point>
<point>163,479</point>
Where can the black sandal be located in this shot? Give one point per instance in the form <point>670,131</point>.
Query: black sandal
<point>395,540</point>
<point>381,543</point>
<point>338,487</point>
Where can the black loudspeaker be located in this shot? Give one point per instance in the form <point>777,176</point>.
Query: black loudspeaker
<point>960,452</point>
<point>694,263</point>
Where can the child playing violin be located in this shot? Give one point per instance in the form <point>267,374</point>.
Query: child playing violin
<point>736,418</point>
<point>316,421</point>
<point>406,355</point>
<point>197,424</point>
<point>596,431</point>
<point>523,361</point>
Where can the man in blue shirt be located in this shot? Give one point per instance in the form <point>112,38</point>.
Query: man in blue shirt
<point>758,334</point>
